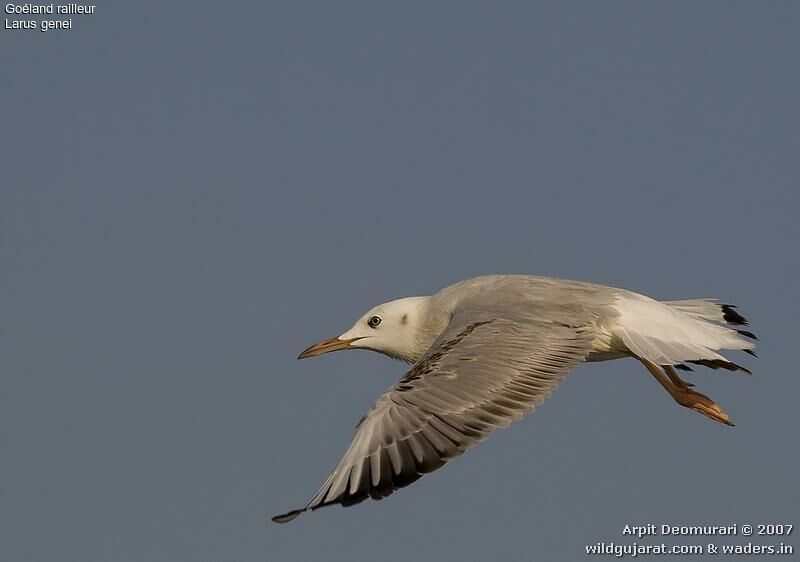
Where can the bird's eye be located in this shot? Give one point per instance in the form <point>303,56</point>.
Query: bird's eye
<point>374,321</point>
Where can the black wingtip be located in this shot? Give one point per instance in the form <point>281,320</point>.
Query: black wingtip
<point>683,367</point>
<point>750,352</point>
<point>731,316</point>
<point>286,517</point>
<point>721,364</point>
<point>748,334</point>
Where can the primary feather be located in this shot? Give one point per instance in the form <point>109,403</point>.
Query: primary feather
<point>489,349</point>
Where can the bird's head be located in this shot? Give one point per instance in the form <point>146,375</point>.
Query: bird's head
<point>398,329</point>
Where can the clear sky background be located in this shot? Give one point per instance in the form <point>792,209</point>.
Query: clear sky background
<point>194,192</point>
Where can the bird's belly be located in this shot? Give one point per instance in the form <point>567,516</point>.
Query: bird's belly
<point>606,347</point>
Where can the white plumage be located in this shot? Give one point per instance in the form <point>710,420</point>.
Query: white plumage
<point>487,350</point>
<point>673,332</point>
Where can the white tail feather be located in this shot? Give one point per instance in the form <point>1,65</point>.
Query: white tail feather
<point>673,332</point>
<point>704,309</point>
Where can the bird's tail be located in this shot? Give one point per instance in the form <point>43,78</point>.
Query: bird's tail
<point>680,332</point>
<point>709,310</point>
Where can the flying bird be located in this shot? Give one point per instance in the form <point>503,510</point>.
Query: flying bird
<point>487,350</point>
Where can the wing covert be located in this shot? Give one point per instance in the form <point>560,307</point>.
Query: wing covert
<point>481,374</point>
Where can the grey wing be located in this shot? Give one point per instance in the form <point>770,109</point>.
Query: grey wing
<point>481,374</point>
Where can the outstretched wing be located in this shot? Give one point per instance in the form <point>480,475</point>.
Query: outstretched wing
<point>481,374</point>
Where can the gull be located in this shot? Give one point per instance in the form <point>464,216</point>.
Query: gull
<point>487,350</point>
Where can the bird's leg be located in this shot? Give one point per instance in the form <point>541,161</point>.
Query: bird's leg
<point>687,397</point>
<point>676,380</point>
